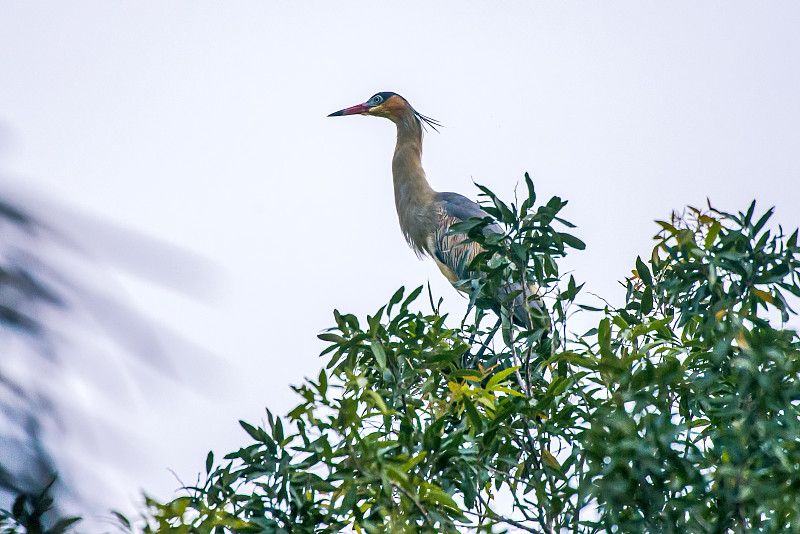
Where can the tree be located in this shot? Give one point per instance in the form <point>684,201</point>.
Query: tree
<point>678,412</point>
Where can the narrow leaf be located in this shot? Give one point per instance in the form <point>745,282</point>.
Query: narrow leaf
<point>647,300</point>
<point>499,377</point>
<point>572,241</point>
<point>713,232</point>
<point>473,415</point>
<point>643,272</point>
<point>764,295</point>
<point>380,355</point>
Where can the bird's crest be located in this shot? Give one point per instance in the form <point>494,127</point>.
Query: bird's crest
<point>423,120</point>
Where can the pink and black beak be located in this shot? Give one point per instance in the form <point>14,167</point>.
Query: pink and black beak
<point>355,110</point>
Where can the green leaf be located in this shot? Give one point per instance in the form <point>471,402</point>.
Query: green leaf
<point>519,253</point>
<point>375,320</point>
<point>551,460</point>
<point>257,434</point>
<point>499,377</point>
<point>432,436</point>
<point>572,241</point>
<point>557,387</point>
<point>473,415</point>
<point>333,338</point>
<point>340,322</point>
<point>297,411</point>
<point>604,339</point>
<point>509,391</point>
<point>555,204</point>
<point>667,226</point>
<point>411,297</point>
<point>323,383</point>
<point>414,461</point>
<point>565,222</point>
<point>713,232</point>
<point>762,221</point>
<point>643,272</point>
<point>378,352</point>
<point>397,297</point>
<point>647,300</point>
<point>792,241</point>
<point>466,373</point>
<point>749,215</point>
<point>377,401</point>
<point>572,290</point>
<point>209,461</point>
<point>464,227</point>
<point>531,200</point>
<point>439,496</point>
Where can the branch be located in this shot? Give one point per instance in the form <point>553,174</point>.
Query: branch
<point>496,517</point>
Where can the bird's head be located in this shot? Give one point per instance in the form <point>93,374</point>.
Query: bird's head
<point>388,105</point>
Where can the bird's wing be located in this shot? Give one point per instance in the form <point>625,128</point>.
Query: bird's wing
<point>453,256</point>
<point>462,208</point>
<point>450,251</point>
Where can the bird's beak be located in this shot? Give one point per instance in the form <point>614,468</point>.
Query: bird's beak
<point>355,110</point>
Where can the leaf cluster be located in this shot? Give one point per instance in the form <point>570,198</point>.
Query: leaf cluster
<point>696,423</point>
<point>678,412</point>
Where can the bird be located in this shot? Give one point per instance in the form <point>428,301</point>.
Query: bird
<point>426,215</point>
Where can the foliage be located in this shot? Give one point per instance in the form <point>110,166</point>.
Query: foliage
<point>697,426</point>
<point>28,289</point>
<point>677,413</point>
<point>32,513</point>
<point>50,289</point>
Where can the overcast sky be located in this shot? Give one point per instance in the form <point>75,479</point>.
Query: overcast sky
<point>202,126</point>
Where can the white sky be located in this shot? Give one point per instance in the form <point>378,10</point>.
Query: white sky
<point>203,125</point>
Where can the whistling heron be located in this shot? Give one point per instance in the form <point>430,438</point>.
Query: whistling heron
<point>426,215</point>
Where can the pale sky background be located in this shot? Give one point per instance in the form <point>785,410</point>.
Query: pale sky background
<point>203,125</point>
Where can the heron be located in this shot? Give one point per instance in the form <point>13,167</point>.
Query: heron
<point>426,215</point>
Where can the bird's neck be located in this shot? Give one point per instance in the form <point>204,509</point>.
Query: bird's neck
<point>410,186</point>
<point>412,193</point>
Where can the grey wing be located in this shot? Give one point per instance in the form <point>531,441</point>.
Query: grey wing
<point>452,254</point>
<point>462,208</point>
<point>450,251</point>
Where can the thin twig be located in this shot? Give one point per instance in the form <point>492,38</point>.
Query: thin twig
<point>497,517</point>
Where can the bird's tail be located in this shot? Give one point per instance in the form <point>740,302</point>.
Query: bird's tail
<point>532,315</point>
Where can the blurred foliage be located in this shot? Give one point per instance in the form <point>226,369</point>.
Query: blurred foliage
<point>677,412</point>
<point>51,289</point>
<point>27,468</point>
<point>32,514</point>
